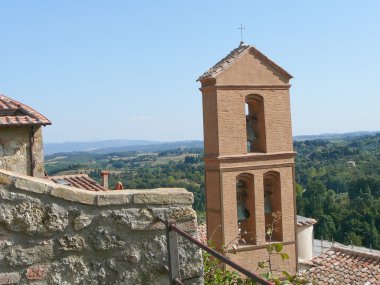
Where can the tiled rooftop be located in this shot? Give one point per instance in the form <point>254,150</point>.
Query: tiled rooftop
<point>14,113</point>
<point>82,181</point>
<point>345,266</point>
<point>234,55</point>
<point>320,246</point>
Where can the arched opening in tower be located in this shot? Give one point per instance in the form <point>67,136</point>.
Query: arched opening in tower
<point>272,204</point>
<point>245,199</point>
<point>255,123</point>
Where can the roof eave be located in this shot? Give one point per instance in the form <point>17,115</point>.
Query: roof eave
<point>205,76</point>
<point>24,125</point>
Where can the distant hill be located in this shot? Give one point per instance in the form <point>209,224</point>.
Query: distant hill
<point>112,146</point>
<point>333,136</point>
<point>154,147</point>
<point>109,146</point>
<point>51,148</point>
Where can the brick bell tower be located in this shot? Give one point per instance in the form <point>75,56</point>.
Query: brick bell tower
<point>249,157</point>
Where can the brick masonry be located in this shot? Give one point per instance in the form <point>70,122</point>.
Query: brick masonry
<point>226,157</point>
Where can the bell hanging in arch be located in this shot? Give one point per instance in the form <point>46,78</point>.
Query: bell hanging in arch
<point>242,212</point>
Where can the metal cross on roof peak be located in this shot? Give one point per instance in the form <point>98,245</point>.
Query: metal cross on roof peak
<point>241,33</point>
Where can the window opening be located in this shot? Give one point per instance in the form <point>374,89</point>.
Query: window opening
<point>255,124</point>
<point>245,204</point>
<point>272,202</point>
<point>267,202</point>
<point>241,196</point>
<point>250,119</point>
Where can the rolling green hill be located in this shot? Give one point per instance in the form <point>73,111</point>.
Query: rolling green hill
<point>338,179</point>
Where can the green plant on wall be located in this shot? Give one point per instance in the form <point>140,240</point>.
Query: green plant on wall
<point>216,273</point>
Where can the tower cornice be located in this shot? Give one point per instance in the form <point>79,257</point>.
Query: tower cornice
<point>251,157</point>
<point>245,87</point>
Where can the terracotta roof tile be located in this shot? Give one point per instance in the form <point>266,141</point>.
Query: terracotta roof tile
<point>82,181</point>
<point>14,113</point>
<point>345,266</point>
<point>233,56</point>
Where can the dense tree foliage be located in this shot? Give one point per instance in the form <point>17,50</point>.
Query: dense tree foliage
<point>338,182</point>
<point>339,185</point>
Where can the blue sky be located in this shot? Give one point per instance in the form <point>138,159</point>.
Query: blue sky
<point>127,69</point>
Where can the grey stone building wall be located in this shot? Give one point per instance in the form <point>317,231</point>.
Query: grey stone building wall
<point>15,150</point>
<point>55,234</point>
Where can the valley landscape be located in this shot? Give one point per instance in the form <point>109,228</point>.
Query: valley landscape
<point>337,175</point>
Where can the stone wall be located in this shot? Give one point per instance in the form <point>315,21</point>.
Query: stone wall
<point>15,150</point>
<point>55,234</point>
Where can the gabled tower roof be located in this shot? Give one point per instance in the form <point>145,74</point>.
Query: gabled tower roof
<point>14,113</point>
<point>234,55</point>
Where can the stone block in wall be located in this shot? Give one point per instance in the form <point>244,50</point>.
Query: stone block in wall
<point>82,221</point>
<point>154,253</point>
<point>56,218</point>
<point>72,243</point>
<point>166,196</point>
<point>138,219</point>
<point>182,215</point>
<point>9,278</point>
<point>21,255</point>
<point>189,254</point>
<point>104,238</point>
<point>37,273</point>
<point>26,216</point>
<point>31,185</point>
<point>79,195</point>
<point>23,214</point>
<point>70,270</point>
<point>5,179</point>
<point>132,254</point>
<point>114,198</point>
